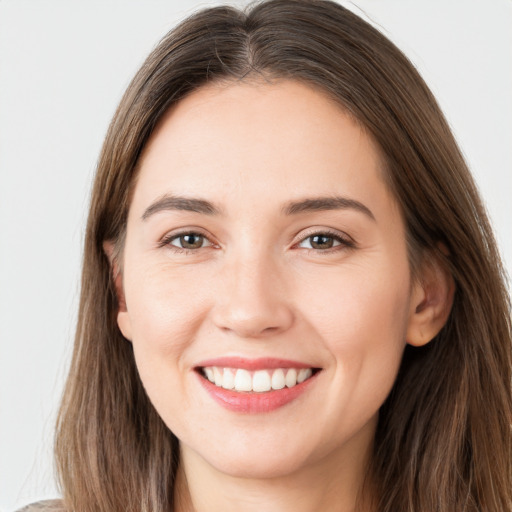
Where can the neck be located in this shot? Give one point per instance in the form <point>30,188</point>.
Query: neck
<point>332,484</point>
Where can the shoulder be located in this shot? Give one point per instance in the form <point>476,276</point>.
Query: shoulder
<point>44,506</point>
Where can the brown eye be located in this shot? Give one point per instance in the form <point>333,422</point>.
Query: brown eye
<point>189,241</point>
<point>320,241</point>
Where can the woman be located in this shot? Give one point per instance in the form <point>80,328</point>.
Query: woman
<point>291,296</point>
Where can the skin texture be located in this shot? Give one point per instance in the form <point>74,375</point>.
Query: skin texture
<point>256,288</point>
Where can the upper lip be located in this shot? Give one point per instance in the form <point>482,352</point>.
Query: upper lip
<point>262,363</point>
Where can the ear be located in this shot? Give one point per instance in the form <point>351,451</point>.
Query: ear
<point>431,302</point>
<point>123,319</point>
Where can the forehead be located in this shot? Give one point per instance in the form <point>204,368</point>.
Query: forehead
<point>258,138</point>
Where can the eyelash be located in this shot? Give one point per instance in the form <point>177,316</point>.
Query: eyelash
<point>167,241</point>
<point>344,242</point>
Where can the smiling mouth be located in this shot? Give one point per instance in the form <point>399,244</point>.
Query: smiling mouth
<point>259,381</point>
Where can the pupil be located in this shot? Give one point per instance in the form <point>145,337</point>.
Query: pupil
<point>191,241</point>
<point>321,242</point>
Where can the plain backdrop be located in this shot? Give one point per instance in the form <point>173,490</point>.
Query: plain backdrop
<point>63,67</point>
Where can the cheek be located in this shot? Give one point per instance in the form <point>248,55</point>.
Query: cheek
<point>361,317</point>
<point>357,305</point>
<point>164,306</point>
<point>165,314</point>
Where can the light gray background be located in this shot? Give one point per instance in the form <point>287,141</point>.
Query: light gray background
<point>63,67</point>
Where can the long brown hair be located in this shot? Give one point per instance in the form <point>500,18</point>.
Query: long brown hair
<point>443,441</point>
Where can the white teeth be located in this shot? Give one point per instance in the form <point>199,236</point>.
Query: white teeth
<point>278,379</point>
<point>217,376</point>
<point>228,381</point>
<point>291,378</point>
<point>259,381</point>
<point>243,380</point>
<point>304,374</point>
<point>209,374</point>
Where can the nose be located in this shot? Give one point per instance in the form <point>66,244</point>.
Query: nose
<point>252,300</point>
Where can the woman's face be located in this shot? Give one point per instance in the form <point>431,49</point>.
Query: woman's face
<point>264,248</point>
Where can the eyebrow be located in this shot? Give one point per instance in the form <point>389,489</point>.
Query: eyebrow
<point>326,203</point>
<point>189,204</point>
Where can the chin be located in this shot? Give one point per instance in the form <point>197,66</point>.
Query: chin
<point>259,468</point>
<point>262,455</point>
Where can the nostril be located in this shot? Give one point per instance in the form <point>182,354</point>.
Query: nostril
<point>253,320</point>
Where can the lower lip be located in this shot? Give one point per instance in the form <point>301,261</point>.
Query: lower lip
<point>252,402</point>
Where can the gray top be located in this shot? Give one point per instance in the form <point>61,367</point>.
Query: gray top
<point>44,506</point>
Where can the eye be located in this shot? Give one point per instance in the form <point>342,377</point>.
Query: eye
<point>324,241</point>
<point>319,241</point>
<point>188,241</point>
